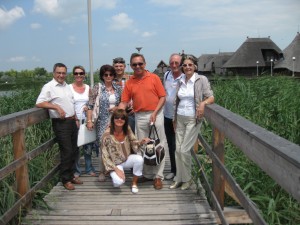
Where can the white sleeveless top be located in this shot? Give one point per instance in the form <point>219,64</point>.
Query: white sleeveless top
<point>81,100</point>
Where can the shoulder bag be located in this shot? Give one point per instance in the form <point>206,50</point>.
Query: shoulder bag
<point>85,135</point>
<point>154,152</point>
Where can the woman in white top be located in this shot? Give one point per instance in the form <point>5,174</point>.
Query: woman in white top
<point>81,98</point>
<point>193,93</point>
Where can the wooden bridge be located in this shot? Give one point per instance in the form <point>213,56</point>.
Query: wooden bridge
<point>99,203</point>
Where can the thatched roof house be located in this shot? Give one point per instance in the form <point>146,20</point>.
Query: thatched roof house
<point>253,50</point>
<point>213,63</point>
<point>288,62</point>
<point>161,68</point>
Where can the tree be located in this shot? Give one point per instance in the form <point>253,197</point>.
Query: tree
<point>40,71</point>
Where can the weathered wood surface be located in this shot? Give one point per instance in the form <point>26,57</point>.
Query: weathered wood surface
<point>100,203</point>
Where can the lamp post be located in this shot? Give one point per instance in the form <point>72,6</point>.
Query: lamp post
<point>257,62</point>
<point>139,49</point>
<point>271,67</point>
<point>294,58</point>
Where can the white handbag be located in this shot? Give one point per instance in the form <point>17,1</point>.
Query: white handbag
<point>85,135</point>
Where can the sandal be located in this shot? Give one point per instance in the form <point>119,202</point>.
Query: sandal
<point>92,174</point>
<point>134,189</point>
<point>101,177</point>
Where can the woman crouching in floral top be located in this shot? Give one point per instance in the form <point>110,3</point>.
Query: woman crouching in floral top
<point>119,147</point>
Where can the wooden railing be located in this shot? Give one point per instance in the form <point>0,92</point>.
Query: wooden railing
<point>15,125</point>
<point>279,158</point>
<point>276,156</point>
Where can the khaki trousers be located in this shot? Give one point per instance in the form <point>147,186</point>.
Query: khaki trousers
<point>186,135</point>
<point>142,124</point>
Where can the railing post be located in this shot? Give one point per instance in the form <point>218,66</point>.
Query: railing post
<point>22,177</point>
<point>218,180</point>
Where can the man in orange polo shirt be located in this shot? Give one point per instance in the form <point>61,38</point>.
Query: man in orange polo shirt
<point>148,96</point>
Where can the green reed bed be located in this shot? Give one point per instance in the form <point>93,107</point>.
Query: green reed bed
<point>272,103</point>
<point>34,136</point>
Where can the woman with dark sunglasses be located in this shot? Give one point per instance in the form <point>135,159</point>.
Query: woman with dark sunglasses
<point>119,150</point>
<point>109,98</point>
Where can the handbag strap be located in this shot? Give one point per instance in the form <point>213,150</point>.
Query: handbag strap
<point>153,130</point>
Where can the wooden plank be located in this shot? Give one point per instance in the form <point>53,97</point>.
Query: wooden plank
<point>234,216</point>
<point>278,157</point>
<point>96,202</point>
<point>218,180</point>
<point>20,120</point>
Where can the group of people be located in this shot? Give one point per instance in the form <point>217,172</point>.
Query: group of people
<point>126,106</point>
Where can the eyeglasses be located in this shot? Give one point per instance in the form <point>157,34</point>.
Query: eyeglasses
<point>176,63</point>
<point>189,65</point>
<point>61,73</point>
<point>119,117</point>
<point>79,74</point>
<point>108,75</point>
<point>137,64</point>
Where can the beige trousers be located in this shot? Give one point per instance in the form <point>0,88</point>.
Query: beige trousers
<point>142,124</point>
<point>186,135</point>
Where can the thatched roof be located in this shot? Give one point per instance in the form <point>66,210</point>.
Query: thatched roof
<point>218,61</point>
<point>203,61</point>
<point>253,50</point>
<point>292,50</point>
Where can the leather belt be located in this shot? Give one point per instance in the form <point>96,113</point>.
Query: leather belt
<point>66,118</point>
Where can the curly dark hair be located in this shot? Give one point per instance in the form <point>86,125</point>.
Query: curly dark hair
<point>104,69</point>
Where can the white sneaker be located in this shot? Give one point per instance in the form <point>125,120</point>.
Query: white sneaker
<point>169,176</point>
<point>134,189</point>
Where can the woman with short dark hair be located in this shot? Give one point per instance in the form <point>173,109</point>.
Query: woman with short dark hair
<point>109,98</point>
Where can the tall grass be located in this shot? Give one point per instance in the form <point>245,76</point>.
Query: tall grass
<point>272,103</point>
<point>34,136</point>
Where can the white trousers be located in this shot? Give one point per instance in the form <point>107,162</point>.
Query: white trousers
<point>134,161</point>
<point>142,124</point>
<point>186,135</point>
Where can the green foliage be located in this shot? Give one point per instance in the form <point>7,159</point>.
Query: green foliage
<point>272,103</point>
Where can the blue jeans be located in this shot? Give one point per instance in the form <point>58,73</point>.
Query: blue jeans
<point>87,153</point>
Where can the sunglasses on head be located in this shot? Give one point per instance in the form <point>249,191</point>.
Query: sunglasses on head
<point>119,117</point>
<point>137,64</point>
<point>79,73</point>
<point>119,60</point>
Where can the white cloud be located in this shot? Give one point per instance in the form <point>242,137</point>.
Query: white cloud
<point>72,40</point>
<point>148,34</point>
<point>7,18</point>
<point>17,59</point>
<point>120,22</point>
<point>69,11</point>
<point>35,26</point>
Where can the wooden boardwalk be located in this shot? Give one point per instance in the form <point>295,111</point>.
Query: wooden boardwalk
<point>99,203</point>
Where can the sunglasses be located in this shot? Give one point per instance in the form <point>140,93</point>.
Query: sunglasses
<point>108,75</point>
<point>137,64</point>
<point>79,74</point>
<point>189,65</point>
<point>119,117</point>
<point>119,61</point>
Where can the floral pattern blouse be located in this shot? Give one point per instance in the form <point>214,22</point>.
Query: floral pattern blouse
<point>114,152</point>
<point>104,114</point>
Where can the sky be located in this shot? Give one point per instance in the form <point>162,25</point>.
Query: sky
<point>40,33</point>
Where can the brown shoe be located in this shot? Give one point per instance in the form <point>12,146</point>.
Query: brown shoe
<point>76,181</point>
<point>69,186</point>
<point>158,184</point>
